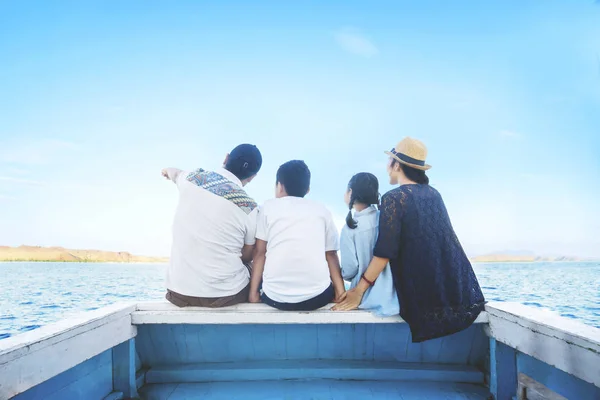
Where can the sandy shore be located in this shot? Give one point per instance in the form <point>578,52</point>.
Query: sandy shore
<point>49,254</point>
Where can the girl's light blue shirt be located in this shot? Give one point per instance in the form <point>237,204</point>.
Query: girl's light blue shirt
<point>356,247</point>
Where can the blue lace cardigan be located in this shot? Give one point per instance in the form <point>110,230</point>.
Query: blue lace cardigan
<point>438,292</point>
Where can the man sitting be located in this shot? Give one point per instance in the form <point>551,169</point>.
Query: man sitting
<point>213,232</point>
<point>296,248</point>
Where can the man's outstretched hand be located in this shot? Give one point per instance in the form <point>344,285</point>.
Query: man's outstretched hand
<point>170,173</point>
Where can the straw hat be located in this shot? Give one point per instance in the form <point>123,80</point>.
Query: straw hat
<point>411,152</point>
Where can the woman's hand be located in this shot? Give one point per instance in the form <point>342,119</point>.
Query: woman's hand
<point>351,300</point>
<point>354,296</point>
<point>254,297</point>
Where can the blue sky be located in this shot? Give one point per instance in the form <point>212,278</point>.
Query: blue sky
<point>96,97</point>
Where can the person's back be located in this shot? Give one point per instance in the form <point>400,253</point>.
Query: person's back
<point>213,233</point>
<point>298,232</point>
<point>296,248</point>
<point>430,256</point>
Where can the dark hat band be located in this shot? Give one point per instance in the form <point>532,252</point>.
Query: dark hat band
<point>408,159</point>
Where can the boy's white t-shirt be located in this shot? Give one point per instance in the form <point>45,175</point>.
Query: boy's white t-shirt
<point>298,232</point>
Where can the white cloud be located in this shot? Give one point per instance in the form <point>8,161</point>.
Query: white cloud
<point>21,181</point>
<point>34,152</point>
<point>509,134</point>
<point>17,171</point>
<point>48,184</point>
<point>537,177</point>
<point>355,42</point>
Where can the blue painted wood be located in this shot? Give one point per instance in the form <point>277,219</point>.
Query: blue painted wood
<point>314,369</point>
<point>158,392</point>
<point>480,349</point>
<point>503,370</point>
<point>554,379</point>
<point>140,378</point>
<point>457,347</point>
<point>91,380</point>
<point>191,344</point>
<point>318,389</point>
<point>115,396</point>
<point>138,362</point>
<point>124,369</point>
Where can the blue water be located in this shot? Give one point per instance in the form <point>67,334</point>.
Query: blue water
<point>35,294</point>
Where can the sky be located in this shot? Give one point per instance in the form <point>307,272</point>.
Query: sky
<point>96,97</point>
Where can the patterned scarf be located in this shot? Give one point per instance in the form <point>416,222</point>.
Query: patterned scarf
<point>222,187</point>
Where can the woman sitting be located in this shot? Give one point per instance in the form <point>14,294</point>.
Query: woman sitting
<point>438,292</point>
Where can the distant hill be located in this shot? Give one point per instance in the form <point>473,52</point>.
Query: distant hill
<point>520,257</point>
<point>37,253</point>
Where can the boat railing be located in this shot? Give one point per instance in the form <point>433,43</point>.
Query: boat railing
<point>537,344</point>
<point>166,313</point>
<point>523,341</point>
<point>31,358</point>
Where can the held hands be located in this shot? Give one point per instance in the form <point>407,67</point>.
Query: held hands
<point>350,301</point>
<point>340,295</point>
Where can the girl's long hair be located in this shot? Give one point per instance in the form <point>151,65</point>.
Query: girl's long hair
<point>365,190</point>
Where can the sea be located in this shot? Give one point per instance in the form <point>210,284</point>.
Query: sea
<point>36,294</point>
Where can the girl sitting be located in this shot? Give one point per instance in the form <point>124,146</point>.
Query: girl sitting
<point>358,240</point>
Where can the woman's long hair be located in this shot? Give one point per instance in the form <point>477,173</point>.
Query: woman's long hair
<point>415,175</point>
<point>365,190</point>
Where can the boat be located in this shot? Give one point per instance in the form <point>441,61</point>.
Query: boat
<point>157,351</point>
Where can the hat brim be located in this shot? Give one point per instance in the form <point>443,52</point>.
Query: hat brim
<point>415,166</point>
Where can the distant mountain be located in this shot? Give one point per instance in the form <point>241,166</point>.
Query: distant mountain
<point>522,253</point>
<point>37,253</point>
<point>521,256</point>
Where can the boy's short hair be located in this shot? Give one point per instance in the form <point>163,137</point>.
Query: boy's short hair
<point>295,177</point>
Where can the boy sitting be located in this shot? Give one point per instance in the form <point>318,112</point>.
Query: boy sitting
<point>296,248</point>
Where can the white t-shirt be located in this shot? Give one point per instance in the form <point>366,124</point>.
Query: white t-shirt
<point>209,232</point>
<point>298,232</point>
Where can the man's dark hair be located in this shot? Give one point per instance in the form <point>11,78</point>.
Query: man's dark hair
<point>295,177</point>
<point>244,161</point>
<point>415,175</point>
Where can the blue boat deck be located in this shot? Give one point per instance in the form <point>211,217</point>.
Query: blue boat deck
<point>156,351</point>
<point>315,389</point>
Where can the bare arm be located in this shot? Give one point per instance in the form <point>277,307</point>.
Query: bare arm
<point>349,262</point>
<point>354,296</point>
<point>258,267</point>
<point>247,253</point>
<point>336,274</point>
